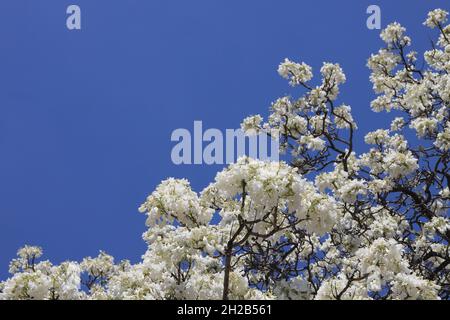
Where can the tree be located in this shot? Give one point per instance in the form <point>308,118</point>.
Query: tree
<point>325,223</point>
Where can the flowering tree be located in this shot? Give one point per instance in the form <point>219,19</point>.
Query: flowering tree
<point>325,224</point>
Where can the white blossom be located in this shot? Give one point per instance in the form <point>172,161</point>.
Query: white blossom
<point>436,17</point>
<point>297,73</point>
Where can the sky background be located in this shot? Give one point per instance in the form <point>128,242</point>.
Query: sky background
<point>86,116</point>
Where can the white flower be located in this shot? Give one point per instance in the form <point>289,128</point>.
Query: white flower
<point>398,164</point>
<point>381,103</point>
<point>377,137</point>
<point>393,34</point>
<point>312,143</point>
<point>350,190</point>
<point>294,289</point>
<point>382,260</point>
<point>332,74</point>
<point>174,199</point>
<point>413,287</point>
<point>344,117</point>
<point>332,77</point>
<point>435,18</point>
<point>443,139</point>
<point>424,126</point>
<point>297,73</point>
<point>251,125</point>
<point>333,287</point>
<point>397,124</point>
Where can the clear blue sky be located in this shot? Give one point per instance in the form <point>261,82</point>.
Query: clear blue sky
<point>86,116</point>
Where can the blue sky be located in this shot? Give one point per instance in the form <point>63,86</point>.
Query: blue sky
<point>86,116</point>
